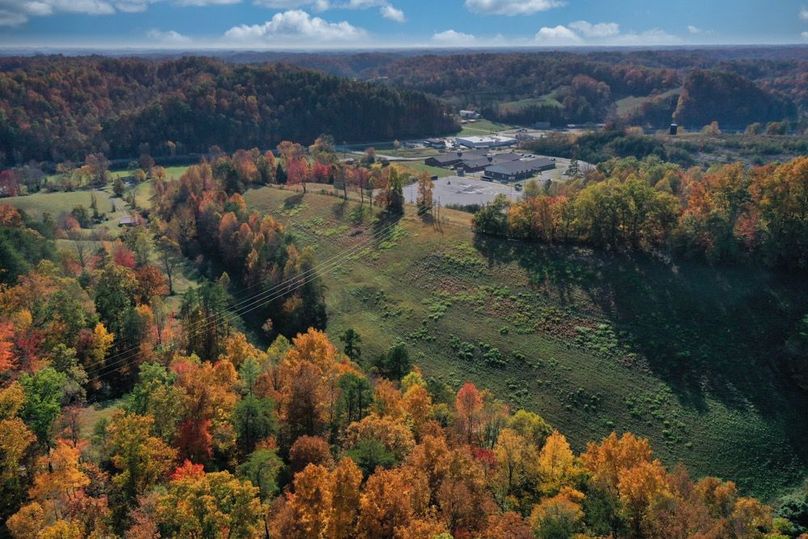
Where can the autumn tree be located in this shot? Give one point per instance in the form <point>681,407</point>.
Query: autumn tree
<point>15,441</point>
<point>516,469</point>
<point>140,459</point>
<point>199,504</point>
<point>60,505</point>
<point>469,407</point>
<point>558,516</point>
<point>309,450</point>
<point>387,503</point>
<point>425,186</point>
<point>556,464</point>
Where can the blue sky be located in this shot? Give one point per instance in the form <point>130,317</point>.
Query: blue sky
<point>330,24</point>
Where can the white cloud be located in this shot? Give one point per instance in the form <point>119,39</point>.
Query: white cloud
<point>804,13</point>
<point>15,12</point>
<point>694,30</point>
<point>557,35</point>
<point>804,35</point>
<point>169,37</point>
<point>317,5</point>
<point>511,7</point>
<point>295,26</point>
<point>133,6</point>
<point>393,13</point>
<point>585,33</point>
<point>12,18</point>
<point>602,29</point>
<point>451,37</point>
<point>647,38</point>
<point>89,7</point>
<point>386,9</point>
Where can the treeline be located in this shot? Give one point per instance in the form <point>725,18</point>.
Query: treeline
<point>296,441</point>
<point>728,212</point>
<point>57,108</point>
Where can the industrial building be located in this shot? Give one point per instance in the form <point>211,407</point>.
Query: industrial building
<point>518,170</point>
<point>493,141</point>
<point>435,143</point>
<point>471,161</point>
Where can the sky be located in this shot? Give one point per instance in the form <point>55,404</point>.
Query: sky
<point>372,24</point>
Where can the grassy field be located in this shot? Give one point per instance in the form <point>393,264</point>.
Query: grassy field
<point>520,105</point>
<point>631,104</point>
<point>482,127</point>
<point>55,203</point>
<point>418,167</point>
<point>594,343</point>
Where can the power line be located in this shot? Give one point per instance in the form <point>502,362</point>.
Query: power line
<point>262,298</point>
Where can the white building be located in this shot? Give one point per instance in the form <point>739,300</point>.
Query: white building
<point>469,115</point>
<point>493,141</point>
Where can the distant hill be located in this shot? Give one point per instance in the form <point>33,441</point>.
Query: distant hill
<point>594,85</point>
<point>57,108</point>
<point>729,99</point>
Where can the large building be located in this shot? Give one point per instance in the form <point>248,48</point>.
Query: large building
<point>471,161</point>
<point>519,170</point>
<point>493,141</point>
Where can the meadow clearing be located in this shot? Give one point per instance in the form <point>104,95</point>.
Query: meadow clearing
<point>680,353</point>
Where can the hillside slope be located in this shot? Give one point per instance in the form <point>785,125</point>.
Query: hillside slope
<point>680,354</point>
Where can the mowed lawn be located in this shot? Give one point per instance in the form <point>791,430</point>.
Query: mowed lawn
<point>594,343</point>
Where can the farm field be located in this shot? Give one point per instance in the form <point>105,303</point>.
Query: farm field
<point>594,343</point>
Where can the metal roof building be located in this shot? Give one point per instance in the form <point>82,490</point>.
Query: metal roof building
<point>519,170</point>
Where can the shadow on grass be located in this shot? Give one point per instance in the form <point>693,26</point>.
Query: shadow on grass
<point>703,330</point>
<point>293,201</point>
<point>339,208</point>
<point>383,227</point>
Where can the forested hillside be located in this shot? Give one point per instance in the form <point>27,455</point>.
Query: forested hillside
<point>563,87</point>
<point>56,108</point>
<point>728,98</point>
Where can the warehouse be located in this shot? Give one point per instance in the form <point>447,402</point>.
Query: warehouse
<point>493,141</point>
<point>471,161</point>
<point>518,170</point>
